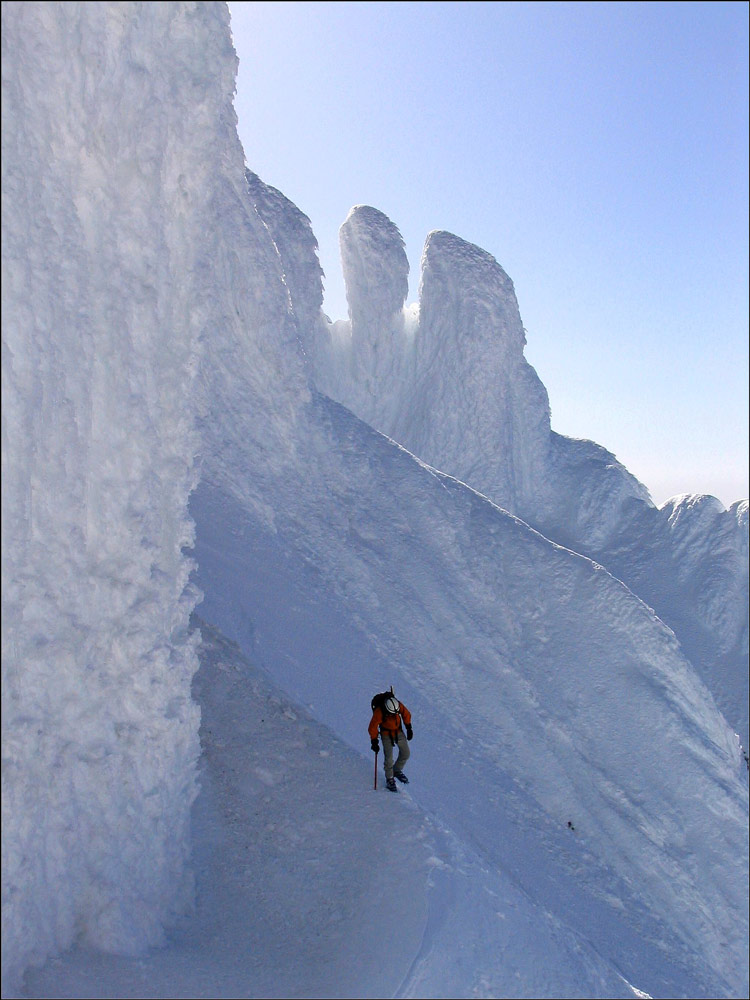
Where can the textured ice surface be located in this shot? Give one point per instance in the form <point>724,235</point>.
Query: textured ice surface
<point>110,118</point>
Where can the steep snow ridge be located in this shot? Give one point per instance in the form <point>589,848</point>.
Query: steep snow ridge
<point>690,516</point>
<point>463,397</point>
<point>109,117</point>
<point>456,391</point>
<point>470,368</point>
<point>711,561</point>
<point>297,247</point>
<point>710,547</point>
<point>688,561</point>
<point>369,355</point>
<point>376,270</point>
<point>586,496</point>
<point>454,387</point>
<point>255,359</point>
<point>386,571</point>
<point>463,290</point>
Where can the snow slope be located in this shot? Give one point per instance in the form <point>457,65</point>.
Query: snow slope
<point>544,692</point>
<point>547,692</point>
<point>303,893</point>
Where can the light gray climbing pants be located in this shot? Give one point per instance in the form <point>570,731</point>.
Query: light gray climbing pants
<point>403,752</point>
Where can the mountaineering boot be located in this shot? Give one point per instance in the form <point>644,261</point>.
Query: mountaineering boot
<point>390,784</point>
<point>401,777</point>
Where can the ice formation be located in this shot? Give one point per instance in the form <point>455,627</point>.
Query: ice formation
<point>110,114</point>
<point>455,389</point>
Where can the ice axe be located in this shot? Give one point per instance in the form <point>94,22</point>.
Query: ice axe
<point>375,786</point>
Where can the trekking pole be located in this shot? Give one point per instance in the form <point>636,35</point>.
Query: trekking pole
<point>375,786</point>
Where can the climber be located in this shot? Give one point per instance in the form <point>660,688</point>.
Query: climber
<point>387,713</point>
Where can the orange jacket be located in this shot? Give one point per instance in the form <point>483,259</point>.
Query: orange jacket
<point>388,723</point>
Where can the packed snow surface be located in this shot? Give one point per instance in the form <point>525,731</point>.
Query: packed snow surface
<point>375,501</point>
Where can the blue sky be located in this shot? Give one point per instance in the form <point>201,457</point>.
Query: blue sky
<point>598,150</point>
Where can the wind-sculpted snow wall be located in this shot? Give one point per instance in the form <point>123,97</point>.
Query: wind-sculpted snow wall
<point>448,379</point>
<point>110,120</point>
